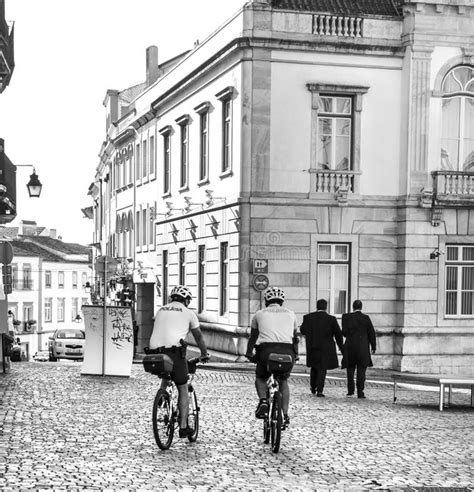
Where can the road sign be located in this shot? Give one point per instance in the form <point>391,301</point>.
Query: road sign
<point>102,261</point>
<point>260,266</point>
<point>6,253</point>
<point>260,282</point>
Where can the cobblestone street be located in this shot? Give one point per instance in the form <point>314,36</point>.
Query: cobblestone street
<point>62,430</point>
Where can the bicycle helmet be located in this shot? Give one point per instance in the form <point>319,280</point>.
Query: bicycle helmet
<point>274,293</point>
<point>181,291</point>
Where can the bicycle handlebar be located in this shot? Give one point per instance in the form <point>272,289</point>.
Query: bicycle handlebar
<point>202,358</point>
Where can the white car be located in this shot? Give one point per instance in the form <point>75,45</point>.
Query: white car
<point>67,344</point>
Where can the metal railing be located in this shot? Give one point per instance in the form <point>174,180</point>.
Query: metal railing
<point>333,25</point>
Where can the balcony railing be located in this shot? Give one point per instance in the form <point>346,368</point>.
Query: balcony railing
<point>332,181</point>
<point>333,25</point>
<point>453,186</point>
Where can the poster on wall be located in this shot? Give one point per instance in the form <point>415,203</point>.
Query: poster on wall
<point>109,351</point>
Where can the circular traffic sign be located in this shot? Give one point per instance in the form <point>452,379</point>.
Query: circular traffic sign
<point>260,282</point>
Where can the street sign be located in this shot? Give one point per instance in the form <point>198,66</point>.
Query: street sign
<point>260,282</point>
<point>102,261</point>
<point>260,266</point>
<point>6,253</point>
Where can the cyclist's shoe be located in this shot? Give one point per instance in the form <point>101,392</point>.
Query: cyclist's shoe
<point>186,432</point>
<point>262,409</point>
<point>286,422</point>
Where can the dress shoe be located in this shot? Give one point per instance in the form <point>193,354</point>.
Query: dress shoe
<point>361,395</point>
<point>320,395</point>
<point>313,390</point>
<point>350,394</point>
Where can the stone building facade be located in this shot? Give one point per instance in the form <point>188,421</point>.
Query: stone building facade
<point>334,140</point>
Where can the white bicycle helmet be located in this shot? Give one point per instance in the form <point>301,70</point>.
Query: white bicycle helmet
<point>181,291</point>
<point>274,293</point>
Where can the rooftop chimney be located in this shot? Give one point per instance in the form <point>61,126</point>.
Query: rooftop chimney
<point>152,70</point>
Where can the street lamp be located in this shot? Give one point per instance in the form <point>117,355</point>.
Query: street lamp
<point>34,184</point>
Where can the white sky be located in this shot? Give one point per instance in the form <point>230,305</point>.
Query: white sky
<point>67,54</point>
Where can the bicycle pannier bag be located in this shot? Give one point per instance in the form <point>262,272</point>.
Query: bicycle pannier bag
<point>158,364</point>
<point>280,363</point>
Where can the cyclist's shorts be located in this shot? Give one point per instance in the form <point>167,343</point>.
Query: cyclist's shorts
<point>180,364</point>
<point>264,350</point>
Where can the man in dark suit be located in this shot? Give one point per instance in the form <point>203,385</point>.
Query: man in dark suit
<point>320,330</point>
<point>360,334</point>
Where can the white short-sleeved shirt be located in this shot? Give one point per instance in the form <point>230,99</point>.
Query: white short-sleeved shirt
<point>172,323</point>
<point>275,324</point>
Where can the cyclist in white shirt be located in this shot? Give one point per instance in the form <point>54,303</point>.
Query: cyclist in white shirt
<point>173,322</point>
<point>273,329</point>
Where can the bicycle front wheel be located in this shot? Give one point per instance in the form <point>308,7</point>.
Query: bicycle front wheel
<point>276,422</point>
<point>163,422</point>
<point>266,430</point>
<point>193,415</point>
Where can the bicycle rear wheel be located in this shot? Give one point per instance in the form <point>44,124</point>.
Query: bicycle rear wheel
<point>163,421</point>
<point>193,415</point>
<point>266,430</point>
<point>275,422</point>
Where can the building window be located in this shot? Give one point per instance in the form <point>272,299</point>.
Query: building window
<point>225,96</point>
<point>74,280</point>
<point>61,280</point>
<point>152,155</point>
<point>204,146</point>
<point>457,139</point>
<point>182,266</point>
<point>144,159</point>
<point>27,283</point>
<point>167,164</point>
<point>137,230</point>
<point>164,281</point>
<point>333,276</point>
<point>144,227</point>
<point>61,305</point>
<point>183,122</point>
<point>84,301</point>
<point>15,276</point>
<point>48,309</point>
<point>226,135</point>
<point>151,234</point>
<point>83,279</point>
<point>201,278</point>
<point>334,133</point>
<point>335,136</point>
<point>27,315</point>
<point>138,170</point>
<point>47,278</point>
<point>74,308</point>
<point>459,281</point>
<point>224,278</point>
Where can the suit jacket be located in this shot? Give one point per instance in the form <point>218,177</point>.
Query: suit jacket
<point>320,330</point>
<point>360,334</point>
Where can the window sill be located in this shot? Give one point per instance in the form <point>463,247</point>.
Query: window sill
<point>166,195</point>
<point>203,182</point>
<point>226,174</point>
<point>183,189</point>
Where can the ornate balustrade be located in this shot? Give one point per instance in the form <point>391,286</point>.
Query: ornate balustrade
<point>333,25</point>
<point>332,181</point>
<point>453,186</point>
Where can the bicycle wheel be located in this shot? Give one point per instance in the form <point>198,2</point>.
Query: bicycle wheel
<point>193,415</point>
<point>275,422</point>
<point>163,422</point>
<point>266,430</point>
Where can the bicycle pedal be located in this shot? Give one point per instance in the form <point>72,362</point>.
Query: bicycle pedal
<point>198,409</point>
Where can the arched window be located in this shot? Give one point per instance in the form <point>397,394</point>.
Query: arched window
<point>124,234</point>
<point>457,138</point>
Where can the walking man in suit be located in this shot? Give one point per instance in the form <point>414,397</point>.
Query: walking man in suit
<point>320,330</point>
<point>360,334</point>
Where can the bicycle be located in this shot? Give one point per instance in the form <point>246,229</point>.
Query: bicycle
<point>165,415</point>
<point>277,365</point>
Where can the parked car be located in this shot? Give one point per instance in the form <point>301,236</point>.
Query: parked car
<point>67,344</point>
<point>41,356</point>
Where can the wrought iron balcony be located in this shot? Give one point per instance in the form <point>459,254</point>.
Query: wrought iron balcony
<point>453,187</point>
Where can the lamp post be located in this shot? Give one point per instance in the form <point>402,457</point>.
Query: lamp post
<point>34,185</point>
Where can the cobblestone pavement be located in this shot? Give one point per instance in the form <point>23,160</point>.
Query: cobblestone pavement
<point>61,430</point>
